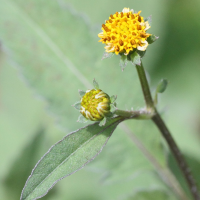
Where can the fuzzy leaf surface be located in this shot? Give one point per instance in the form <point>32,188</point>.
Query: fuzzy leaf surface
<point>66,157</point>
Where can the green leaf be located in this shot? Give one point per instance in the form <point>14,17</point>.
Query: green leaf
<point>162,86</point>
<point>123,61</point>
<point>135,58</point>
<point>152,38</point>
<point>66,157</point>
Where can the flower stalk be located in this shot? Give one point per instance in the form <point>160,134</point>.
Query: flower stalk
<point>166,134</point>
<point>145,87</point>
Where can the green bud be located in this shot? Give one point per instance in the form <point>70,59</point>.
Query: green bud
<point>95,105</point>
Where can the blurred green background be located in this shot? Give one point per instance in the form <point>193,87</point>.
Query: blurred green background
<point>50,49</point>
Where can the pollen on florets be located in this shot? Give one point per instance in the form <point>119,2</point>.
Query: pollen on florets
<point>124,32</point>
<point>95,105</point>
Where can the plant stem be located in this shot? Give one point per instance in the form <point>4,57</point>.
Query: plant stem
<point>177,154</point>
<point>145,87</point>
<point>139,114</point>
<point>166,134</point>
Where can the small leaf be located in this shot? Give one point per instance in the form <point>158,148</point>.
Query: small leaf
<point>67,156</point>
<point>152,38</point>
<point>102,122</point>
<point>95,84</point>
<point>123,61</point>
<point>135,58</point>
<point>81,93</point>
<point>77,105</point>
<point>149,19</point>
<point>107,55</point>
<point>162,86</point>
<point>113,98</point>
<point>82,119</point>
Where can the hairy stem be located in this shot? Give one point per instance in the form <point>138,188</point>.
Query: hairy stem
<point>166,134</point>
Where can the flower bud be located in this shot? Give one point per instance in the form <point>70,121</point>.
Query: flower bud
<point>95,105</point>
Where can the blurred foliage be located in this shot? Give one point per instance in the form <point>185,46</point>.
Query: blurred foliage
<point>22,167</point>
<point>194,168</point>
<point>151,194</point>
<point>112,175</point>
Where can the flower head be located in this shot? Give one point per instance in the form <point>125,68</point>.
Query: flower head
<point>124,32</point>
<point>95,105</point>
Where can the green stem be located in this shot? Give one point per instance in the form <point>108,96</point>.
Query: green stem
<point>145,87</point>
<point>177,154</point>
<point>140,114</point>
<point>166,134</point>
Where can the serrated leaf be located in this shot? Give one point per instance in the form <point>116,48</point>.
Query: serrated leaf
<point>67,156</point>
<point>152,38</point>
<point>135,58</point>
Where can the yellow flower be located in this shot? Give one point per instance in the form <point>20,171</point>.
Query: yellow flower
<point>95,105</point>
<point>124,32</point>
